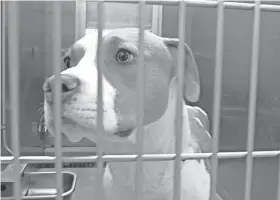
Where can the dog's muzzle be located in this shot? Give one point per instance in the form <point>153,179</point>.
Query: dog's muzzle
<point>68,83</point>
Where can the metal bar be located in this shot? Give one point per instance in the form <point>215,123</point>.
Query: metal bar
<point>189,19</point>
<point>3,79</point>
<point>157,19</point>
<point>2,126</point>
<point>100,128</point>
<point>2,68</point>
<point>161,2</point>
<point>270,8</point>
<point>47,43</point>
<point>201,3</point>
<point>252,100</point>
<point>57,95</point>
<point>4,142</point>
<point>48,46</point>
<point>145,157</point>
<point>278,191</point>
<point>217,97</point>
<point>250,6</point>
<point>179,105</point>
<point>13,53</point>
<point>32,197</point>
<point>140,103</point>
<point>80,19</point>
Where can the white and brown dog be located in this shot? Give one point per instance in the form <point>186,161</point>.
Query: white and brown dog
<point>79,111</point>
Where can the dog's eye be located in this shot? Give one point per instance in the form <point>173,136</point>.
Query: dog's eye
<point>124,56</point>
<point>67,61</point>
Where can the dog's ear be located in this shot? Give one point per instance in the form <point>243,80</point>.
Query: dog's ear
<point>191,78</point>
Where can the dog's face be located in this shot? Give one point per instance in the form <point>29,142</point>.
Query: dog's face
<point>120,73</point>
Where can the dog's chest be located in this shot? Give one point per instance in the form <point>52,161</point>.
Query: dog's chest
<point>159,185</point>
<point>157,181</point>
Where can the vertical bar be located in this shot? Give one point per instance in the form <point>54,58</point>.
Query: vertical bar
<point>80,19</point>
<point>278,191</point>
<point>1,69</point>
<point>48,39</point>
<point>13,53</point>
<point>2,98</point>
<point>57,94</point>
<point>217,97</point>
<point>157,19</point>
<point>3,78</point>
<point>140,103</point>
<point>179,105</point>
<point>189,16</point>
<point>100,128</point>
<point>252,100</point>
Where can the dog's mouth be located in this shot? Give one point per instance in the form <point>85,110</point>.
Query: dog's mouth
<point>75,130</point>
<point>124,134</point>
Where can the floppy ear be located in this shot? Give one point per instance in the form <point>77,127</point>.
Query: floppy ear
<point>191,78</point>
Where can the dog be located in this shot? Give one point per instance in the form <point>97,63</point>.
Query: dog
<point>79,111</point>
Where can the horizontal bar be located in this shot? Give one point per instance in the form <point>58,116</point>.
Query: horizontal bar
<point>30,197</point>
<point>201,3</point>
<point>145,157</point>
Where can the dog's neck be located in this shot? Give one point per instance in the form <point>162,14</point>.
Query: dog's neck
<point>159,138</point>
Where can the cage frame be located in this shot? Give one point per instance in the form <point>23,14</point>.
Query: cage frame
<point>215,156</point>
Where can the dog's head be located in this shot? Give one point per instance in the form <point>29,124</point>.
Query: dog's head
<point>79,83</point>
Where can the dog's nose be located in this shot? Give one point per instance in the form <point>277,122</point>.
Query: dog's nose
<point>69,85</point>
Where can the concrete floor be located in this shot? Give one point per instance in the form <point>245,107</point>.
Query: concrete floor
<point>231,177</point>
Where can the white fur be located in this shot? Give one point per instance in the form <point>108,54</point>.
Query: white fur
<point>119,177</point>
<point>86,71</point>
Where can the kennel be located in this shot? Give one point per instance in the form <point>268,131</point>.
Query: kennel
<point>236,45</point>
